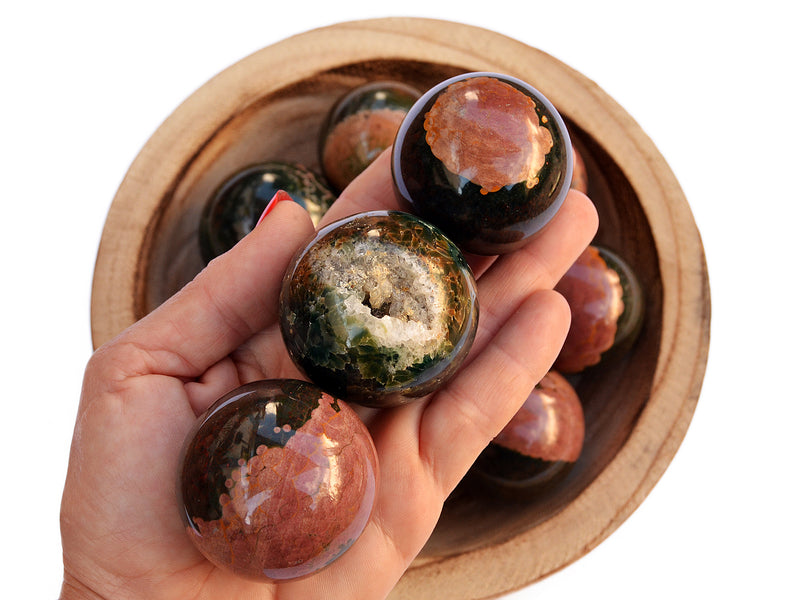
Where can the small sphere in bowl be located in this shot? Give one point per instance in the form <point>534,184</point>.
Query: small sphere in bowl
<point>361,125</point>
<point>580,176</point>
<point>486,158</point>
<point>607,305</point>
<point>379,308</point>
<point>278,479</point>
<point>236,205</point>
<point>540,443</point>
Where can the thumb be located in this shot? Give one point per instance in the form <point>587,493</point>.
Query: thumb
<point>234,297</point>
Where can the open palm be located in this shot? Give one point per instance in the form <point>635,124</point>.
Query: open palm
<point>121,530</point>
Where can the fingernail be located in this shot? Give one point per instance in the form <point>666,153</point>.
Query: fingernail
<point>279,196</point>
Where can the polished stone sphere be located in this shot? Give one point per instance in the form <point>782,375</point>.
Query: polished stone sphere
<point>235,206</point>
<point>607,306</point>
<point>379,308</point>
<point>486,158</point>
<point>580,175</point>
<point>540,443</point>
<point>278,479</point>
<point>361,125</point>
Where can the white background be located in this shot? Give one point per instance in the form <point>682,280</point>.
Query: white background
<point>84,84</point>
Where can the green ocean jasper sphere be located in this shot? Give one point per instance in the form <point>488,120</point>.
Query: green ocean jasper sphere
<point>234,208</point>
<point>379,308</point>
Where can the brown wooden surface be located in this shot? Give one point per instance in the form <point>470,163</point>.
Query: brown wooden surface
<point>271,104</point>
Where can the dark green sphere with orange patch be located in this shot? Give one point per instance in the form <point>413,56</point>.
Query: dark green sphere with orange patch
<point>361,125</point>
<point>486,158</point>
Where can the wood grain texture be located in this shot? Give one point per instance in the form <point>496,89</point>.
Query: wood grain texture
<point>271,105</point>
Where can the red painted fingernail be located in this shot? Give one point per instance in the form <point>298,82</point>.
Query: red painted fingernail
<point>279,196</point>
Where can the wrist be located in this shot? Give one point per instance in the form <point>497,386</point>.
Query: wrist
<point>73,589</point>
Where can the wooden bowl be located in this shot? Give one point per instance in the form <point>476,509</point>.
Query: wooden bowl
<point>271,105</point>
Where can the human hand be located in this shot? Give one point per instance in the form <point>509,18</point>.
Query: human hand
<point>122,534</point>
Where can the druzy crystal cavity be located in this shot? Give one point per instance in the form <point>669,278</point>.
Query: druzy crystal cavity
<point>379,308</point>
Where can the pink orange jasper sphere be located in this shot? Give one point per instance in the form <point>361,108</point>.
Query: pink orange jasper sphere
<point>580,176</point>
<point>278,480</point>
<point>607,305</point>
<point>549,425</point>
<point>539,444</point>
